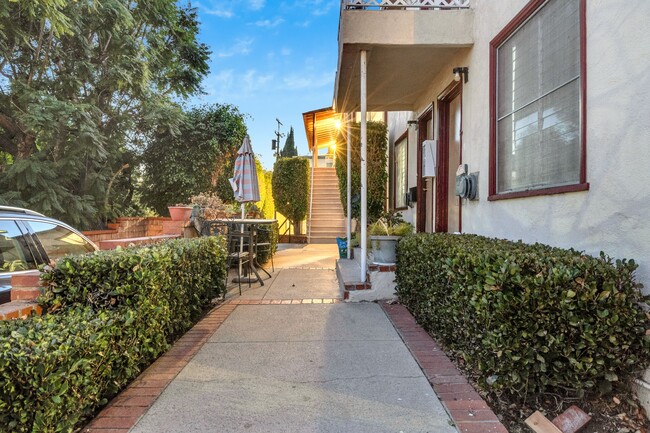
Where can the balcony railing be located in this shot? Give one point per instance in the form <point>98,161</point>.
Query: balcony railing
<point>405,4</point>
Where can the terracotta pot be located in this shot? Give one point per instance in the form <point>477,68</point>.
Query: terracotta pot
<point>180,213</point>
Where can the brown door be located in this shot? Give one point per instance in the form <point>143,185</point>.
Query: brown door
<point>450,156</point>
<point>425,187</point>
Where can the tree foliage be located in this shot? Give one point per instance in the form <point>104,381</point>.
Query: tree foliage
<point>82,84</point>
<point>376,170</point>
<point>289,148</point>
<point>198,159</point>
<point>265,179</point>
<point>291,188</point>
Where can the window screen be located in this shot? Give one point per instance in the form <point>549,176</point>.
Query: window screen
<point>538,101</point>
<point>401,186</point>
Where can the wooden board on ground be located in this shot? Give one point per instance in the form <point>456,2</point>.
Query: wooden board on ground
<point>540,424</point>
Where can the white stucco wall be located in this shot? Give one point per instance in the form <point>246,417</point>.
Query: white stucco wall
<point>613,216</point>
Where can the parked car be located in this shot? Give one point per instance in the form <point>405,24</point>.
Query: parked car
<point>29,239</point>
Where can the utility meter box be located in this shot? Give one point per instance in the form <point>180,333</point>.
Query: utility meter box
<point>429,152</point>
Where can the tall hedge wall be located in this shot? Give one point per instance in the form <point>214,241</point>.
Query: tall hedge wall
<point>108,316</point>
<point>376,169</point>
<point>527,318</point>
<point>291,188</point>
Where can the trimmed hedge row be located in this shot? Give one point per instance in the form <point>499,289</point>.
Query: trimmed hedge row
<point>110,314</point>
<point>527,318</point>
<point>180,275</point>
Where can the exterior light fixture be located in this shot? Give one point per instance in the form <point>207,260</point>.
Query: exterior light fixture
<point>338,124</point>
<point>461,71</point>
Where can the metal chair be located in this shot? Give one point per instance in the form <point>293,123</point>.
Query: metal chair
<point>238,248</point>
<point>265,232</point>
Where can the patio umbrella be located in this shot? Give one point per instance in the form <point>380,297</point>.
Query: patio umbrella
<point>244,182</point>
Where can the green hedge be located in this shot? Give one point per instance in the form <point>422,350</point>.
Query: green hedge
<point>376,169</point>
<point>291,188</point>
<point>109,315</point>
<point>56,370</point>
<point>181,274</point>
<point>527,318</point>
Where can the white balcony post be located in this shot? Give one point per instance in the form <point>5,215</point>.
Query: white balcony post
<point>348,125</point>
<point>364,182</point>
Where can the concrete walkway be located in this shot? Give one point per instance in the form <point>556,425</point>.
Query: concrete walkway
<point>289,356</point>
<point>300,368</point>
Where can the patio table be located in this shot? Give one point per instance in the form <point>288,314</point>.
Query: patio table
<point>253,223</point>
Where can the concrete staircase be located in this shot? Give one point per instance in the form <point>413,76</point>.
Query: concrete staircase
<point>327,219</point>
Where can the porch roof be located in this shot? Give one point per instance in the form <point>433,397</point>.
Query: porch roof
<point>321,126</point>
<point>406,50</point>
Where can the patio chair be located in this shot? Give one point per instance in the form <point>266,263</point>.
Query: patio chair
<point>238,246</point>
<point>265,232</point>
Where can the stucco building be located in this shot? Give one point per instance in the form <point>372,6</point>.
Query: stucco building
<point>547,102</point>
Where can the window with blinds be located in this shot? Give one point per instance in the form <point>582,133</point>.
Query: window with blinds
<point>401,185</point>
<point>538,141</point>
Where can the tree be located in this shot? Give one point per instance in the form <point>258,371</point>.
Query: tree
<point>264,180</point>
<point>291,189</point>
<point>199,159</point>
<point>376,170</point>
<point>82,85</point>
<point>289,148</point>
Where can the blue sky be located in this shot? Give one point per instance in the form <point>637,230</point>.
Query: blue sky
<point>271,59</point>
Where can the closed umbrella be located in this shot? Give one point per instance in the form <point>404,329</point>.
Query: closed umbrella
<point>244,182</point>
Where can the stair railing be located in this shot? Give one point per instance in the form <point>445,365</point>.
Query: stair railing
<point>311,203</point>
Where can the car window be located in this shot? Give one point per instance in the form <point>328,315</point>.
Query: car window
<point>59,241</point>
<point>14,255</point>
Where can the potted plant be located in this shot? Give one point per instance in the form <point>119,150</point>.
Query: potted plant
<point>384,235</point>
<point>180,212</point>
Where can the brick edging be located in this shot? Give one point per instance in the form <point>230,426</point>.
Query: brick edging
<point>469,412</point>
<point>284,301</point>
<point>124,411</point>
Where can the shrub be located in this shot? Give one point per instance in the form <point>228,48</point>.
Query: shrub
<point>531,318</point>
<point>110,314</point>
<point>56,370</point>
<point>376,170</point>
<point>181,276</point>
<point>291,188</point>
